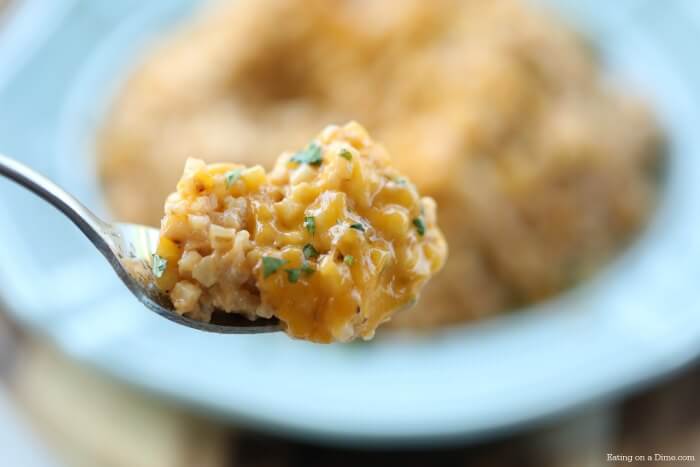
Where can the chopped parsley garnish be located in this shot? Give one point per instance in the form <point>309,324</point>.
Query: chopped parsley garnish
<point>306,269</point>
<point>358,226</point>
<point>271,264</point>
<point>311,155</point>
<point>420,225</point>
<point>293,275</point>
<point>309,251</point>
<point>349,259</point>
<point>158,266</point>
<point>345,154</point>
<point>310,224</point>
<point>232,177</point>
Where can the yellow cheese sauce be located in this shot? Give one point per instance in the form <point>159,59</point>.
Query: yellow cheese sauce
<point>332,241</point>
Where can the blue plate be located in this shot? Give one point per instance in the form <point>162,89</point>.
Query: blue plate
<point>635,321</point>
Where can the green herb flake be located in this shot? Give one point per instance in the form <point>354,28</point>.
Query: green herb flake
<point>309,251</point>
<point>232,177</point>
<point>307,269</point>
<point>349,260</point>
<point>345,154</point>
<point>310,224</point>
<point>400,181</point>
<point>358,226</point>
<point>293,275</point>
<point>311,155</point>
<point>158,266</point>
<point>271,264</point>
<point>420,225</point>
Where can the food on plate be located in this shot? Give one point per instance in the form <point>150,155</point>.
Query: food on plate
<point>332,241</point>
<point>542,170</point>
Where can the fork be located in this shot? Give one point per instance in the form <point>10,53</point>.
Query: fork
<point>129,249</point>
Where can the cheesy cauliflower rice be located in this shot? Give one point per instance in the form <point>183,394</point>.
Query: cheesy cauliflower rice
<point>541,170</point>
<point>332,241</point>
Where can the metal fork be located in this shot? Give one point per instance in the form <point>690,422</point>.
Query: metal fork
<point>129,250</point>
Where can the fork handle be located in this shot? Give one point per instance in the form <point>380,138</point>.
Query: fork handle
<point>44,188</point>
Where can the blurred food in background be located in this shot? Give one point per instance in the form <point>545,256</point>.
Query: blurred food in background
<point>4,6</point>
<point>496,110</point>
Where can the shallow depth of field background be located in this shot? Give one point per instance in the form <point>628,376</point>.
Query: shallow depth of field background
<point>63,404</point>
